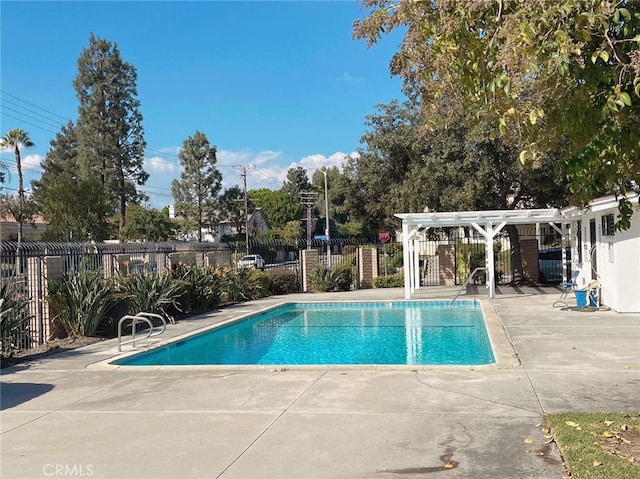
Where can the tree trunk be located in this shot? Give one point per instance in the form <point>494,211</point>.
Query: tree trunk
<point>20,193</point>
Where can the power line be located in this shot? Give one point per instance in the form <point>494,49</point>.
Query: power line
<point>33,105</point>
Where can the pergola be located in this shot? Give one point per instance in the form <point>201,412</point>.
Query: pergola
<point>487,223</point>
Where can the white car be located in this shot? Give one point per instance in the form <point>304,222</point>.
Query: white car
<point>251,261</point>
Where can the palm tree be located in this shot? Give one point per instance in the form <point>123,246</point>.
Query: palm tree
<point>14,138</point>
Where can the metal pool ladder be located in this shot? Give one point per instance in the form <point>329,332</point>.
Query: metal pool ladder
<point>146,317</point>
<point>466,283</point>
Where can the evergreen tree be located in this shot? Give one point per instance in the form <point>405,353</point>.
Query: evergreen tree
<point>62,195</point>
<point>109,131</point>
<point>200,182</point>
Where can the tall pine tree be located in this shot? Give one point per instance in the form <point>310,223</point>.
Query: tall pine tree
<point>109,130</point>
<point>200,182</point>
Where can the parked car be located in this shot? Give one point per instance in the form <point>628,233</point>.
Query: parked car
<point>251,261</point>
<point>550,265</point>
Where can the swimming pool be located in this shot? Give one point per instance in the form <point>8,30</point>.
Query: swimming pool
<point>399,332</point>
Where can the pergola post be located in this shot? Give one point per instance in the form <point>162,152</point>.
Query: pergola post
<point>489,233</point>
<point>406,255</point>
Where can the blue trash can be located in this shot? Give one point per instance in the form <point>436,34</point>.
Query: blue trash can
<point>581,297</point>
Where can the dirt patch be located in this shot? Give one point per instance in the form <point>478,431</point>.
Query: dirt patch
<point>47,350</point>
<point>624,443</point>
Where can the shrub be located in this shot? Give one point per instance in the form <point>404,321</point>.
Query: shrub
<point>338,278</point>
<point>343,277</point>
<point>82,300</point>
<point>149,292</point>
<point>201,288</point>
<point>260,283</point>
<point>236,285</point>
<point>393,281</point>
<point>283,281</point>
<point>14,312</point>
<point>321,278</point>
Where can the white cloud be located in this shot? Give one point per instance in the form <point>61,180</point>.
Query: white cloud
<point>265,169</point>
<point>349,78</point>
<point>32,161</point>
<point>226,157</point>
<point>317,161</point>
<point>159,164</point>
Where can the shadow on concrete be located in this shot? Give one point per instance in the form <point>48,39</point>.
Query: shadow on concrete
<point>13,394</point>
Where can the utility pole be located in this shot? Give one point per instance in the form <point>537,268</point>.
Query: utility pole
<point>244,169</point>
<point>308,199</point>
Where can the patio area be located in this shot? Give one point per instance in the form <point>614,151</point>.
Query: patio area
<point>68,416</point>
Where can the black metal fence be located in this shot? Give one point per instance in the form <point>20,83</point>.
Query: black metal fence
<point>27,266</point>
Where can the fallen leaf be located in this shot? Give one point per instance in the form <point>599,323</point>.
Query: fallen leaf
<point>597,463</point>
<point>624,427</point>
<point>449,465</point>
<point>548,441</point>
<point>528,441</point>
<point>607,434</point>
<point>627,366</point>
<point>608,423</point>
<point>571,424</point>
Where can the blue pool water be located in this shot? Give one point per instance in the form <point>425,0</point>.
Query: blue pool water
<point>403,332</point>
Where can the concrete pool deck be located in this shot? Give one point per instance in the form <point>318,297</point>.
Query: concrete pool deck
<point>67,416</point>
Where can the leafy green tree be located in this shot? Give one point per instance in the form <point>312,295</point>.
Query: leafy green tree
<point>549,75</point>
<point>277,206</point>
<point>458,166</point>
<point>196,192</point>
<point>148,224</point>
<point>15,138</point>
<point>293,230</point>
<point>372,179</point>
<point>109,131</point>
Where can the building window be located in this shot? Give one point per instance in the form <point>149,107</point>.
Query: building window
<point>607,225</point>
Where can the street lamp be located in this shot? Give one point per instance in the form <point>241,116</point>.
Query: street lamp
<point>326,214</point>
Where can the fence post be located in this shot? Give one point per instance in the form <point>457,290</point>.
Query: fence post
<point>42,270</point>
<point>368,266</point>
<point>309,260</point>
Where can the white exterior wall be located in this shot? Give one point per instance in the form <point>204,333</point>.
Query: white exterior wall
<point>617,257</point>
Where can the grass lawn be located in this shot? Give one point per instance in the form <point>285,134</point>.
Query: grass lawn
<point>598,445</point>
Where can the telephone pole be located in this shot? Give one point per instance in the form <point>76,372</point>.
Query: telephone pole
<point>244,169</point>
<point>308,199</point>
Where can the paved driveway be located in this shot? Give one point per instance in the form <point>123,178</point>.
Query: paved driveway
<point>69,417</point>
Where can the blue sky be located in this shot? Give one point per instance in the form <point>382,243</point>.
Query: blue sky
<point>272,84</point>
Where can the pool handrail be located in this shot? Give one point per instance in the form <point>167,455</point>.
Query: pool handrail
<point>466,283</point>
<point>142,316</point>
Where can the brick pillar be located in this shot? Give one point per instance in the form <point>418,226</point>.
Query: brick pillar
<point>367,266</point>
<point>529,251</point>
<point>44,269</point>
<point>447,261</point>
<point>309,261</point>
